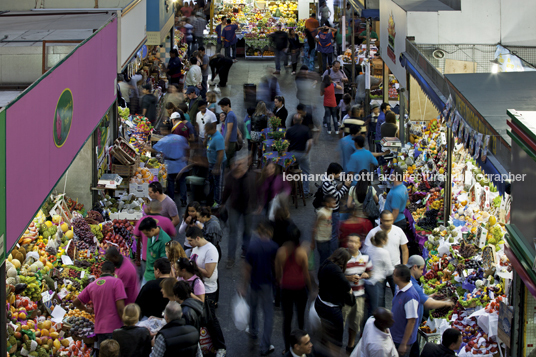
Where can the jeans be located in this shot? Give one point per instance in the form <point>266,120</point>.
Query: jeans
<point>280,55</point>
<point>327,59</point>
<point>309,58</point>
<point>329,113</point>
<point>204,87</point>
<point>231,151</point>
<point>228,51</point>
<point>334,243</point>
<point>305,165</point>
<point>289,299</point>
<point>407,350</point>
<point>215,184</point>
<point>324,250</point>
<point>171,186</point>
<point>402,224</point>
<point>372,291</point>
<point>234,221</point>
<point>381,290</point>
<point>332,322</point>
<point>214,328</point>
<point>263,296</point>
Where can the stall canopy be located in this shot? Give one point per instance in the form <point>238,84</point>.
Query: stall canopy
<point>43,129</point>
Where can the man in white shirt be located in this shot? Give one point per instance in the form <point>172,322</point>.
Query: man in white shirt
<point>376,339</point>
<point>396,241</point>
<point>358,268</point>
<point>205,255</point>
<point>194,77</point>
<point>203,117</point>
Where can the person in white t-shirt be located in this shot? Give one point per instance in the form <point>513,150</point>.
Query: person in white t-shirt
<point>377,340</point>
<point>204,116</point>
<point>358,268</point>
<point>396,242</point>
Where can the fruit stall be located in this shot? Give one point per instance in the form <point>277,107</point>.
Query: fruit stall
<point>464,248</point>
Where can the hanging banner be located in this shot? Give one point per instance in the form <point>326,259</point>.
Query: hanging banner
<point>485,144</point>
<point>478,145</point>
<point>393,29</point>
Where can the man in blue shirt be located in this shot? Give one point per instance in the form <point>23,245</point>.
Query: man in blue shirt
<point>231,129</point>
<point>216,157</point>
<point>397,198</point>
<point>405,311</point>
<point>361,159</point>
<point>175,149</point>
<point>416,267</point>
<point>347,146</point>
<point>218,32</point>
<point>384,108</point>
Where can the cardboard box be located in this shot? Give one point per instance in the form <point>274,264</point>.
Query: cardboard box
<point>139,190</point>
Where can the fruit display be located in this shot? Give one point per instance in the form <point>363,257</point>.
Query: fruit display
<point>80,326</point>
<point>85,239</point>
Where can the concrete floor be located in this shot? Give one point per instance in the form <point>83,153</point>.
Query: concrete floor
<point>323,153</point>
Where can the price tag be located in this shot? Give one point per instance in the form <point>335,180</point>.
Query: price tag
<point>82,274</point>
<point>443,139</point>
<point>464,273</point>
<point>55,285</point>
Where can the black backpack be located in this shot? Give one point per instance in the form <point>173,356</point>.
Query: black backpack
<point>319,198</point>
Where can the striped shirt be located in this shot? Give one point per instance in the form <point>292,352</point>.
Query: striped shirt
<point>329,187</point>
<point>358,265</point>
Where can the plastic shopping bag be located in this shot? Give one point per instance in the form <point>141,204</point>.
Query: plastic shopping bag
<point>240,313</point>
<point>314,319</point>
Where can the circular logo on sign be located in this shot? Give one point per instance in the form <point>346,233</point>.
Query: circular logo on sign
<point>63,117</point>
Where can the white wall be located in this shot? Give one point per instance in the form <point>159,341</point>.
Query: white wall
<point>23,65</point>
<point>303,9</point>
<point>517,22</point>
<point>479,22</point>
<point>132,31</point>
<point>25,5</point>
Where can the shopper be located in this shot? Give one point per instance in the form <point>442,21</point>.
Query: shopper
<point>279,39</point>
<point>280,111</point>
<point>258,276</point>
<point>108,296</point>
<point>188,35</point>
<point>353,119</point>
<point>271,184</point>
<point>358,269</point>
<point>229,39</point>
<point>203,117</point>
<point>199,23</point>
<point>231,129</point>
<point>389,129</point>
<point>284,226</point>
<point>174,68</point>
<point>354,224</point>
<point>370,122</point>
<point>416,266</point>
<point>358,194</point>
<point>169,208</point>
<point>300,344</point>
<point>188,271</point>
<point>347,146</point>
<point>211,228</point>
<point>384,108</point>
<point>362,159</point>
<point>330,104</point>
<point>268,88</point>
<point>325,45</point>
<point>300,143</point>
<point>175,338</point>
<point>205,256</point>
<point>376,339</point>
<point>247,126</point>
<point>337,190</point>
<point>220,66</point>
<point>192,309</point>
<point>360,96</point>
<point>108,348</point>
<point>397,198</point>
<point>148,104</point>
<point>219,43</point>
<point>241,193</point>
<point>179,126</point>
<point>338,77</point>
<point>174,251</point>
<point>259,122</point>
<point>216,161</point>
<point>205,61</point>
<point>174,97</point>
<point>312,24</point>
<point>150,299</point>
<point>124,90</point>
<point>190,219</point>
<point>323,228</point>
<point>156,245</point>
<point>396,242</point>
<point>134,341</point>
<point>292,275</point>
<point>405,311</point>
<point>166,287</point>
<point>344,104</point>
<point>192,93</point>
<point>309,51</point>
<point>294,48</point>
<point>126,271</point>
<point>194,77</point>
<point>450,343</point>
<point>325,14</point>
<point>334,291</point>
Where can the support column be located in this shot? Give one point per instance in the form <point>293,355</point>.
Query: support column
<point>385,83</point>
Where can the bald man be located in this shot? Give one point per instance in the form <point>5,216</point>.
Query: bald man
<point>376,339</point>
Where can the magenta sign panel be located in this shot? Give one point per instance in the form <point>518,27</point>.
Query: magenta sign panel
<point>46,127</point>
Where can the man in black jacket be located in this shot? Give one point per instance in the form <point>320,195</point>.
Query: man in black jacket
<point>175,338</point>
<point>451,342</point>
<point>192,309</point>
<point>220,66</point>
<point>280,41</point>
<point>150,299</point>
<point>300,344</point>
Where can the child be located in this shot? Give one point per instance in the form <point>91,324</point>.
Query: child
<point>358,268</point>
<point>322,228</point>
<point>344,105</point>
<point>211,101</point>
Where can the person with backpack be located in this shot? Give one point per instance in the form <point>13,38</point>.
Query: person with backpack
<point>363,198</point>
<point>337,190</point>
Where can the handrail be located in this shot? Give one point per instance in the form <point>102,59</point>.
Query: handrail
<point>129,7</point>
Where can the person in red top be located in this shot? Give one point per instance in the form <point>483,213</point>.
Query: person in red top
<point>180,126</point>
<point>108,296</point>
<point>330,103</point>
<point>152,209</point>
<point>356,225</point>
<point>126,271</point>
<point>292,274</point>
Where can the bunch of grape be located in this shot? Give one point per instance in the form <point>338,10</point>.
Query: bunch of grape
<point>429,221</point>
<point>442,312</point>
<point>80,326</point>
<point>97,231</point>
<point>472,264</point>
<point>83,232</point>
<point>82,264</point>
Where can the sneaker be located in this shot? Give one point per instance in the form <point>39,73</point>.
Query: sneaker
<point>277,72</point>
<point>230,263</point>
<point>221,353</point>
<point>329,132</point>
<point>250,334</point>
<point>235,60</point>
<point>336,132</point>
<point>215,206</point>
<point>267,352</point>
<point>293,73</point>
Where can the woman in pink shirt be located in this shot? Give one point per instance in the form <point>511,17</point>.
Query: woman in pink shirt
<point>330,103</point>
<point>189,272</point>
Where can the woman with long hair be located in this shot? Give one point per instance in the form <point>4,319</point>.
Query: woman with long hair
<point>334,291</point>
<point>294,47</point>
<point>259,122</point>
<point>358,193</point>
<point>292,276</point>
<point>309,52</point>
<point>327,89</point>
<point>174,251</point>
<point>188,271</point>
<point>270,184</point>
<point>190,218</point>
<point>166,288</point>
<point>134,341</point>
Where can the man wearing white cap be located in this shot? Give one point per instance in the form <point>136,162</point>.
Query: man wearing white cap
<point>416,267</point>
